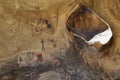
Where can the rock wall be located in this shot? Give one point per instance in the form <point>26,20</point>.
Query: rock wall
<point>18,31</point>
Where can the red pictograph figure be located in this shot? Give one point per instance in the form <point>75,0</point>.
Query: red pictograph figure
<point>39,57</point>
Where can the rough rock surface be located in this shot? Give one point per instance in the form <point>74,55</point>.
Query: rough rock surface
<point>21,30</point>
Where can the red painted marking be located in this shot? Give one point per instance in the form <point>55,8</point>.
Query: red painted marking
<point>36,29</point>
<point>54,45</point>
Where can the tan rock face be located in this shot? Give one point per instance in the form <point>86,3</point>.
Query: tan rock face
<point>21,28</point>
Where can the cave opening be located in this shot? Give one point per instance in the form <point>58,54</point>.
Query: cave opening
<point>85,24</point>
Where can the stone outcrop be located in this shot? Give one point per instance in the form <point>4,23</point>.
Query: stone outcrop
<point>24,23</point>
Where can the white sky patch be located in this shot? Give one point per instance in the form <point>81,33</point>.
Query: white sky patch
<point>103,37</point>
